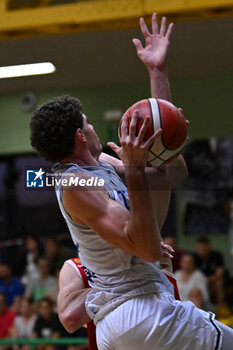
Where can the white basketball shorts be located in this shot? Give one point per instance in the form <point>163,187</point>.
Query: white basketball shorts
<point>157,321</point>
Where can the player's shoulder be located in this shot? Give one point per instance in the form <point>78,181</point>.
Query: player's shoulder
<point>74,262</point>
<point>72,267</point>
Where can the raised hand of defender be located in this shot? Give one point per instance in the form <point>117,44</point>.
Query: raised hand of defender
<point>165,261</point>
<point>167,250</point>
<point>133,150</point>
<point>154,54</point>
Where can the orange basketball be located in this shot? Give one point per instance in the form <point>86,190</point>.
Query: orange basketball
<point>165,115</point>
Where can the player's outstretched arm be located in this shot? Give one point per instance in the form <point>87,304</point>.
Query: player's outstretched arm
<point>71,299</point>
<point>154,55</point>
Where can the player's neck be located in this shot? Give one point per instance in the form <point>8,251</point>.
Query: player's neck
<point>83,159</point>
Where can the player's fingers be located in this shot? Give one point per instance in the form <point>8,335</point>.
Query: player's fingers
<point>163,26</point>
<point>124,127</point>
<point>187,122</point>
<point>137,43</point>
<point>151,139</point>
<point>143,129</point>
<point>167,255</point>
<point>167,247</point>
<point>169,30</point>
<point>144,28</point>
<point>155,26</point>
<point>133,124</point>
<point>113,146</point>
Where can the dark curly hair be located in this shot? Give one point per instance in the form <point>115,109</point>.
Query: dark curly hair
<point>53,126</point>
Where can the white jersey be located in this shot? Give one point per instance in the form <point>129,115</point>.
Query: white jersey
<point>113,274</point>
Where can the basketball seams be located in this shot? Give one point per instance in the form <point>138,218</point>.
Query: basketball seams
<point>175,151</point>
<point>157,157</point>
<point>173,154</point>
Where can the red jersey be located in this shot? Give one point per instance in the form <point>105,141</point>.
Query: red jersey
<point>6,322</point>
<point>172,279</point>
<point>90,325</point>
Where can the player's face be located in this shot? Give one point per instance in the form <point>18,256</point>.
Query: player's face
<point>93,142</point>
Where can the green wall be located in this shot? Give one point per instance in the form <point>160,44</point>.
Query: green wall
<point>206,101</point>
<point>14,133</point>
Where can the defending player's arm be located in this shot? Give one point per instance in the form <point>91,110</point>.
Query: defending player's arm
<point>71,299</point>
<point>154,55</point>
<point>109,219</point>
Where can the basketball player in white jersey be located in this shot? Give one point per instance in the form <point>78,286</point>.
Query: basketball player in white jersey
<point>118,229</point>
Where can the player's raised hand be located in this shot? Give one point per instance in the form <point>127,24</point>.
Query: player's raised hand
<point>167,250</point>
<point>154,54</point>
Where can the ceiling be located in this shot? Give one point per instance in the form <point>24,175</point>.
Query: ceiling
<point>104,57</point>
<point>15,4</point>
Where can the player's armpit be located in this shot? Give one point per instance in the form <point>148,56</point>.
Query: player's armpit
<point>71,299</point>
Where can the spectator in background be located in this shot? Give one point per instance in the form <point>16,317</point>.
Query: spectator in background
<point>56,254</point>
<point>24,323</point>
<point>6,317</point>
<point>211,264</point>
<point>177,252</point>
<point>47,325</point>
<point>189,278</point>
<point>40,286</point>
<point>17,304</point>
<point>34,252</point>
<point>10,286</point>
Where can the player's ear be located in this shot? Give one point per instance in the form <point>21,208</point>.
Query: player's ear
<point>80,137</point>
